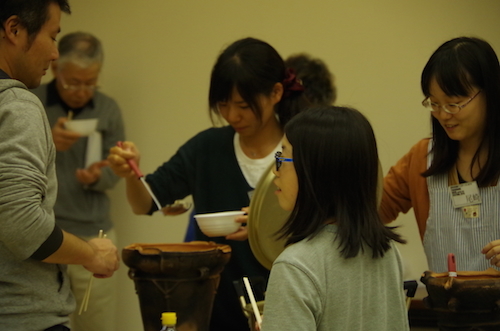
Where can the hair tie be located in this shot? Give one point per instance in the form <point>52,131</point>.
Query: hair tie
<point>291,83</point>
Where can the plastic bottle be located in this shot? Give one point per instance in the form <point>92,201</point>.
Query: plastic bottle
<point>168,320</point>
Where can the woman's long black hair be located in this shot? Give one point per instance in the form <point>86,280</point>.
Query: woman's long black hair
<point>336,160</point>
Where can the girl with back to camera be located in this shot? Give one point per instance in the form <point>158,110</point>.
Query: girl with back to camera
<point>341,269</point>
<point>461,85</point>
<point>251,89</point>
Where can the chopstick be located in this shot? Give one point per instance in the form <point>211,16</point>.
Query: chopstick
<point>85,301</point>
<point>140,176</point>
<point>252,300</point>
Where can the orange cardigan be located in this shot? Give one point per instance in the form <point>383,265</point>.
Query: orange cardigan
<point>405,187</point>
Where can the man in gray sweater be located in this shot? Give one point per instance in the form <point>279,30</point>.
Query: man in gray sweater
<point>34,289</point>
<point>82,205</point>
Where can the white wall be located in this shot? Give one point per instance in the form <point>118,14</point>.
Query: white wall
<point>159,55</point>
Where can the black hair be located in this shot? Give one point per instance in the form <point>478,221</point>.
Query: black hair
<point>458,66</point>
<point>32,13</point>
<point>253,67</point>
<point>317,79</point>
<point>336,161</point>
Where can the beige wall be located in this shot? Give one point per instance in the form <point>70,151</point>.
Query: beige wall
<point>159,55</point>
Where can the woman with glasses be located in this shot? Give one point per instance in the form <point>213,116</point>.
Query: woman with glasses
<point>253,92</point>
<point>341,269</point>
<point>451,179</point>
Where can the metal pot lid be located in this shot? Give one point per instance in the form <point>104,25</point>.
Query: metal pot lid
<point>264,219</point>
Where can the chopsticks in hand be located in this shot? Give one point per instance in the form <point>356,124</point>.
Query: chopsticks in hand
<point>252,300</point>
<point>85,301</point>
<point>140,176</point>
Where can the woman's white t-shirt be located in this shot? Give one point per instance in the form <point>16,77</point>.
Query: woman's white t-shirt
<point>253,169</point>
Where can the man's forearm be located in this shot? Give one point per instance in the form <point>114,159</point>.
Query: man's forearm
<point>73,250</point>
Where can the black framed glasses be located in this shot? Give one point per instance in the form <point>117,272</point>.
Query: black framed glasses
<point>280,160</point>
<point>450,108</point>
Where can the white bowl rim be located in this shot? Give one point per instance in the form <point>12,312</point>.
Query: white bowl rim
<point>83,120</point>
<point>218,214</point>
<point>83,126</point>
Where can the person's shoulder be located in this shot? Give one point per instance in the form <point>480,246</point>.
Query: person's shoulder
<point>294,254</point>
<point>101,95</point>
<point>215,133</point>
<point>421,147</point>
<point>219,138</point>
<point>307,256</point>
<point>218,131</point>
<point>23,112</point>
<point>423,143</point>
<point>7,84</point>
<point>14,91</point>
<point>103,100</point>
<point>308,251</point>
<point>12,87</point>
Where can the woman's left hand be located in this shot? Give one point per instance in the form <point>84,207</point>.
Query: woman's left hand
<point>492,252</point>
<point>242,233</point>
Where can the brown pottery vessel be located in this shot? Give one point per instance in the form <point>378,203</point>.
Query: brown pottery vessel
<point>468,302</point>
<point>181,278</point>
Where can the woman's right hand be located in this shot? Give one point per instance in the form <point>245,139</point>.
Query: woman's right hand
<point>118,157</point>
<point>492,252</point>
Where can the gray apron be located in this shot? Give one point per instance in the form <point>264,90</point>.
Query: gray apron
<point>448,231</point>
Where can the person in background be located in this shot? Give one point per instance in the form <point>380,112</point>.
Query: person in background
<point>317,79</point>
<point>341,269</point>
<point>82,206</point>
<point>451,179</point>
<point>34,288</point>
<point>251,89</point>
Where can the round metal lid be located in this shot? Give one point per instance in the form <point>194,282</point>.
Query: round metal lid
<point>264,219</point>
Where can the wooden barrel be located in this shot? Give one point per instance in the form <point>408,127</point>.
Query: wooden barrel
<point>468,302</point>
<point>181,278</point>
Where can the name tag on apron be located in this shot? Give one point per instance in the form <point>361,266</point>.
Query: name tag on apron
<point>466,196</point>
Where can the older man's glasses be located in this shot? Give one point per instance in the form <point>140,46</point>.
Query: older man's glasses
<point>81,86</point>
<point>280,160</point>
<point>450,108</point>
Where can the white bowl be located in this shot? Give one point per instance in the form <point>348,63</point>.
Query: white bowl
<point>83,127</point>
<point>219,224</point>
